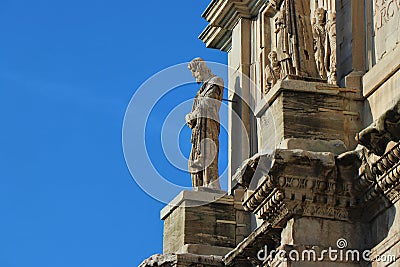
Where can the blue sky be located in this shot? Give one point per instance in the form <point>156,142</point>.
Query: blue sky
<point>68,70</point>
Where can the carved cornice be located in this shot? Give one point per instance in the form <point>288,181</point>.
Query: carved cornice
<point>306,184</point>
<point>245,173</point>
<point>379,179</point>
<point>222,16</point>
<point>376,188</point>
<point>217,37</point>
<point>384,177</point>
<point>385,129</point>
<point>347,187</point>
<point>226,13</point>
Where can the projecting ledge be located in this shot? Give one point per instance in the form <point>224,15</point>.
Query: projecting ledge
<point>305,85</point>
<point>188,198</point>
<point>308,109</point>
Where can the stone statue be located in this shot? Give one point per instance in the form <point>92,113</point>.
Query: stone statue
<point>204,122</point>
<point>272,71</point>
<point>330,48</point>
<point>319,34</point>
<point>282,44</point>
<point>294,42</point>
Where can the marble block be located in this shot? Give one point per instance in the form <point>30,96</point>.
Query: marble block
<point>199,222</point>
<point>309,110</point>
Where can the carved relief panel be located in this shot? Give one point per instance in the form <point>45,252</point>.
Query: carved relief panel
<point>302,41</point>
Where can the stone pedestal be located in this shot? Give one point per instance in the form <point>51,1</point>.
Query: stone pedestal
<point>199,222</point>
<point>309,115</point>
<point>200,227</point>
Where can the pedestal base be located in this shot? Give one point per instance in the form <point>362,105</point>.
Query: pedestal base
<point>200,222</point>
<point>313,111</point>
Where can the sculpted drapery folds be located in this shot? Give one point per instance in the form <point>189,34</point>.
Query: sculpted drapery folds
<point>282,44</point>
<point>319,34</point>
<point>204,122</point>
<point>293,35</point>
<point>324,33</point>
<point>330,48</point>
<point>304,48</point>
<point>273,71</point>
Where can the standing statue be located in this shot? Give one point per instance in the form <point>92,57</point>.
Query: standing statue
<point>272,71</point>
<point>319,34</point>
<point>330,48</point>
<point>282,44</point>
<point>293,35</point>
<point>204,122</point>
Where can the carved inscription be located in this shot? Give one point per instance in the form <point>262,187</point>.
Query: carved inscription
<point>384,11</point>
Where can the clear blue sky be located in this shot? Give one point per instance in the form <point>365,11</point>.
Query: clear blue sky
<point>68,70</point>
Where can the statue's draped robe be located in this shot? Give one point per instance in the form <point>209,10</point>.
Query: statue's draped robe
<point>203,161</point>
<point>294,38</point>
<point>319,35</point>
<point>330,47</point>
<point>272,75</point>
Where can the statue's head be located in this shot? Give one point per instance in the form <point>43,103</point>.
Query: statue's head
<point>199,70</point>
<point>320,15</point>
<point>273,58</point>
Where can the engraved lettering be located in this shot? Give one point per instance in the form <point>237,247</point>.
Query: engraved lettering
<point>384,11</point>
<point>391,9</point>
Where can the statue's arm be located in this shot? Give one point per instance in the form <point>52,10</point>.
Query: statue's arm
<point>191,119</point>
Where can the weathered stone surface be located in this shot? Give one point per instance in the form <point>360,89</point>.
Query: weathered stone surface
<point>239,113</point>
<point>181,260</point>
<point>244,174</point>
<point>197,222</point>
<point>385,129</point>
<point>301,183</point>
<point>297,231</point>
<point>310,110</point>
<point>334,146</point>
<point>385,236</point>
<point>253,171</point>
<point>386,19</point>
<point>379,182</point>
<point>166,260</point>
<point>246,251</point>
<point>198,249</point>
